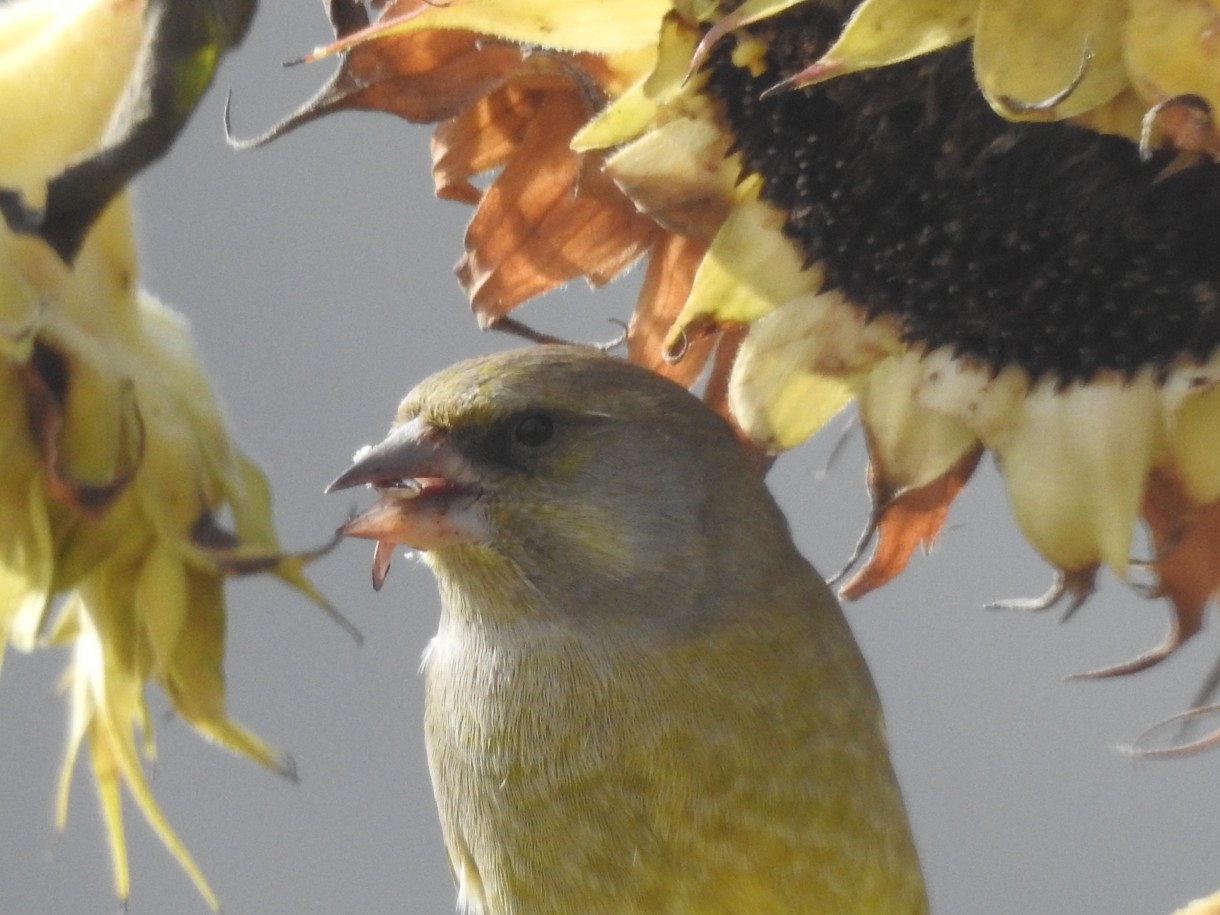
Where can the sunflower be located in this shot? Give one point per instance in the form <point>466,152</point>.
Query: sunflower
<point>831,210</point>
<point>116,466</point>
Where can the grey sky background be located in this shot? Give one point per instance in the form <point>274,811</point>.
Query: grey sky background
<point>317,276</point>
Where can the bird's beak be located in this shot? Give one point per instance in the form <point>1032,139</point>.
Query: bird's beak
<point>430,495</point>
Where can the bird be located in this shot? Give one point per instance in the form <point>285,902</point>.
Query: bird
<point>640,697</point>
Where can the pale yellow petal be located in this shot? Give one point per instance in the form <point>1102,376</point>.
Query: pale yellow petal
<point>983,400</point>
<point>797,366</point>
<point>1028,53</point>
<point>882,32</point>
<point>779,405</point>
<point>160,602</point>
<point>194,679</point>
<point>1209,905</point>
<point>1191,398</point>
<point>117,750</point>
<point>110,691</point>
<point>910,445</point>
<point>624,119</point>
<point>599,26</point>
<point>680,175</point>
<point>106,779</point>
<point>750,270</point>
<point>63,65</point>
<point>639,107</point>
<point>80,713</point>
<point>27,563</point>
<point>1075,463</point>
<point>1172,47</point>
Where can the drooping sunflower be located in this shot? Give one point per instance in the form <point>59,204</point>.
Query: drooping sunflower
<point>992,225</point>
<point>116,467</point>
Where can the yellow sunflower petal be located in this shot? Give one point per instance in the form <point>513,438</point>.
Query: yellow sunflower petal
<point>798,364</point>
<point>44,46</point>
<point>1171,49</point>
<point>882,32</point>
<point>982,399</point>
<point>602,26</point>
<point>116,446</point>
<point>109,661</point>
<point>910,445</point>
<point>160,600</point>
<point>679,175</point>
<point>1075,462</point>
<point>1191,398</point>
<point>1206,906</point>
<point>27,562</point>
<point>194,676</point>
<point>1049,59</point>
<point>637,108</point>
<point>624,119</point>
<point>750,270</point>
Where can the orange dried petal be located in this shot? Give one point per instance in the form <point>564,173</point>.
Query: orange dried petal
<point>481,138</point>
<point>671,270</point>
<point>910,519</point>
<point>548,218</point>
<point>1187,541</point>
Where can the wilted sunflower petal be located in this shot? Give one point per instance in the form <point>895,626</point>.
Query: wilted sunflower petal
<point>600,26</point>
<point>177,45</point>
<point>909,445</point>
<point>546,220</point>
<point>1207,906</point>
<point>905,521</point>
<point>798,366</point>
<point>1068,53</point>
<point>883,32</point>
<point>1193,441</point>
<point>749,271</point>
<point>1183,538</point>
<point>678,175</point>
<point>1171,49</point>
<point>667,283</point>
<point>27,564</point>
<point>1075,463</point>
<point>116,446</point>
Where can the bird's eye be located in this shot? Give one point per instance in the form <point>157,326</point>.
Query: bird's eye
<point>534,430</point>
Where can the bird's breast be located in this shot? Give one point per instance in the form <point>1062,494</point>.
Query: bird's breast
<point>528,701</point>
<point>527,755</point>
<point>740,771</point>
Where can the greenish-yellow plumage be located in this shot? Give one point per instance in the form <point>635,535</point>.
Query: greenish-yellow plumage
<point>641,698</point>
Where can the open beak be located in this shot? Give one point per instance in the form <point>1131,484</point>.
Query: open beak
<point>430,495</point>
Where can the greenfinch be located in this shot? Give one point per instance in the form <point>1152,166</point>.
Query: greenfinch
<point>641,698</point>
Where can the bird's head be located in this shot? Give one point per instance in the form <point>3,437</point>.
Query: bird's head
<point>560,471</point>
